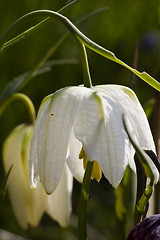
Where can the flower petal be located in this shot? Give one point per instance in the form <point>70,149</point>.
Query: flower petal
<point>34,176</point>
<point>54,133</point>
<point>131,107</point>
<point>74,163</point>
<point>28,204</point>
<point>99,127</point>
<point>59,203</point>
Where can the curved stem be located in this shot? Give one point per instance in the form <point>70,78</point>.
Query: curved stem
<point>26,100</point>
<point>22,80</point>
<point>82,208</point>
<point>150,171</point>
<point>34,28</point>
<point>81,37</point>
<point>86,72</point>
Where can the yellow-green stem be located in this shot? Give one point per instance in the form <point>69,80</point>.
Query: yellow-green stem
<point>85,66</point>
<point>26,100</point>
<point>82,208</point>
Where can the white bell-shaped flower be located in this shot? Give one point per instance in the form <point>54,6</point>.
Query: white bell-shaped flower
<point>90,119</point>
<point>28,204</point>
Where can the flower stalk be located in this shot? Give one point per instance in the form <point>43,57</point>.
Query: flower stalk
<point>150,171</point>
<point>26,100</point>
<point>82,208</point>
<point>122,205</point>
<point>85,66</point>
<point>141,185</point>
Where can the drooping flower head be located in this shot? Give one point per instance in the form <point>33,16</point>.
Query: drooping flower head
<point>28,204</point>
<point>148,229</point>
<point>87,123</point>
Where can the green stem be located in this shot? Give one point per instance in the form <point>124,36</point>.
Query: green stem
<point>141,185</point>
<point>150,171</point>
<point>85,66</point>
<point>82,208</point>
<point>120,212</point>
<point>26,100</point>
<point>22,80</point>
<point>124,204</point>
<point>81,37</point>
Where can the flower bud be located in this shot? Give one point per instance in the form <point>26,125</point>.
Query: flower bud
<point>148,229</point>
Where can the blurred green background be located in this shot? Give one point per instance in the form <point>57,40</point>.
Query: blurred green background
<point>120,26</point>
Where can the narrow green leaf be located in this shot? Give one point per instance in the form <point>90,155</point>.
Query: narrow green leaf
<point>110,55</point>
<point>23,79</point>
<point>19,82</point>
<point>5,183</point>
<point>36,27</point>
<point>81,37</point>
<point>67,6</point>
<point>23,35</point>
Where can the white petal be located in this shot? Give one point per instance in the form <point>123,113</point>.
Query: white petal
<point>74,163</point>
<point>28,205</point>
<point>59,203</point>
<point>131,107</point>
<point>54,133</point>
<point>34,176</point>
<point>99,127</point>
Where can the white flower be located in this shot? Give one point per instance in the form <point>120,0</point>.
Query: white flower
<point>28,204</point>
<point>76,117</point>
